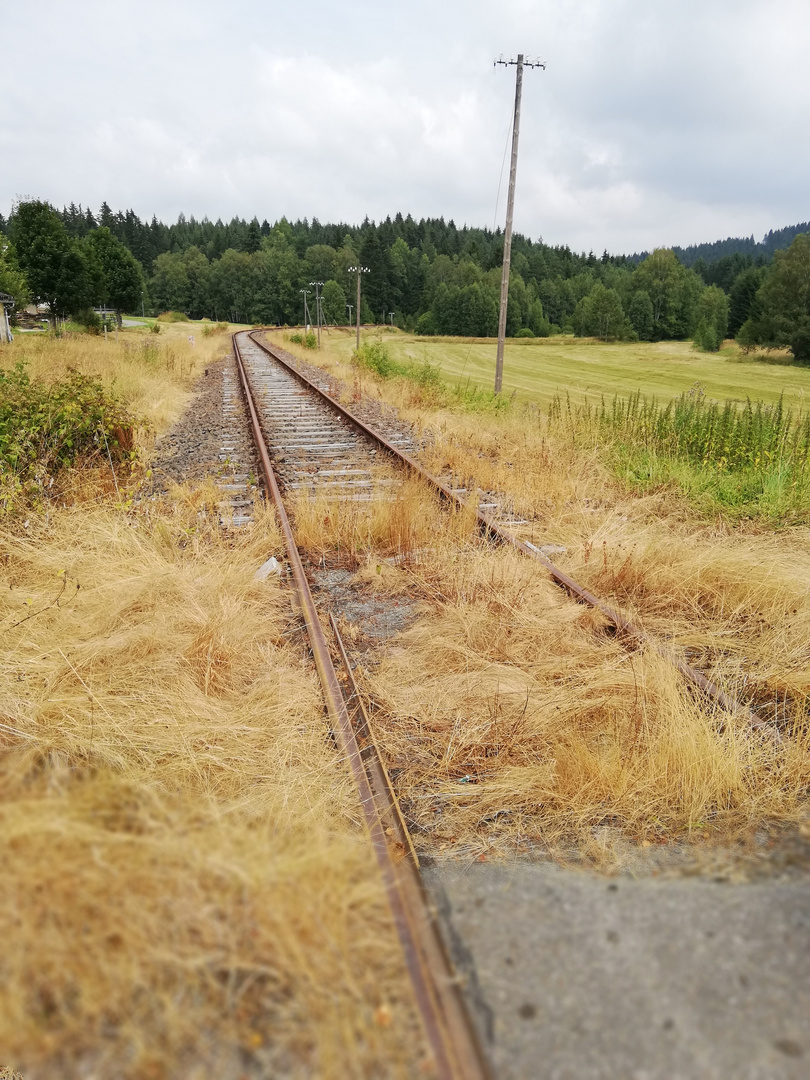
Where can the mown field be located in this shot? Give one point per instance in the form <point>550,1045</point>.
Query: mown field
<point>540,368</point>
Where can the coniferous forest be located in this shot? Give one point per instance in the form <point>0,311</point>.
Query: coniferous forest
<point>427,276</point>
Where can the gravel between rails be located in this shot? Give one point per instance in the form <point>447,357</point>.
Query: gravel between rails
<point>212,439</point>
<point>383,418</point>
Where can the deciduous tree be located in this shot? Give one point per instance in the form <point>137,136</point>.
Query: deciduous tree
<point>785,298</point>
<point>712,316</point>
<point>56,268</point>
<point>121,279</point>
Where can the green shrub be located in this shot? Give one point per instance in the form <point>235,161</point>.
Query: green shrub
<point>374,356</point>
<point>89,320</point>
<point>525,331</point>
<point>309,340</point>
<point>47,427</point>
<point>173,316</point>
<point>155,328</point>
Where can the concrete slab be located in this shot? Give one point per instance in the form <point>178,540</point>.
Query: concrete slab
<point>575,976</point>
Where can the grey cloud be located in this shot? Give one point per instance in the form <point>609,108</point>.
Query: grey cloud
<point>664,123</point>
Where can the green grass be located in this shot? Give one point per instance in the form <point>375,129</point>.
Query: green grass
<point>728,431</point>
<point>376,356</point>
<point>539,368</point>
<point>749,461</point>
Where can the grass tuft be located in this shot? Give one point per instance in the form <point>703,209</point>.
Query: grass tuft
<point>746,460</point>
<point>186,890</point>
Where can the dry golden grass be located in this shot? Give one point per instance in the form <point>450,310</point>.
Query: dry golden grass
<point>509,714</point>
<point>401,521</point>
<point>186,888</point>
<point>152,373</point>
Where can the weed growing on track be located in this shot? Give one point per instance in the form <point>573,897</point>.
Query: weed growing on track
<point>401,521</point>
<point>509,714</point>
<point>186,891</point>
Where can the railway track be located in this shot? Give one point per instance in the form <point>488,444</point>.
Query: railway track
<point>305,437</point>
<point>308,443</point>
<point>298,458</point>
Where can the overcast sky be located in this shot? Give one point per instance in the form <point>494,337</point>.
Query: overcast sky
<point>656,122</point>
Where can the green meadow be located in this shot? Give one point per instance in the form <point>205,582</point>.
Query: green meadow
<point>725,448</point>
<point>540,368</point>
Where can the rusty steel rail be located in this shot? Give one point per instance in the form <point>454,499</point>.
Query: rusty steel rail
<point>623,625</point>
<point>449,1030</point>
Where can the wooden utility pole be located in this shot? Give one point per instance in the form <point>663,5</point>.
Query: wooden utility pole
<point>520,63</point>
<point>318,285</point>
<point>358,270</point>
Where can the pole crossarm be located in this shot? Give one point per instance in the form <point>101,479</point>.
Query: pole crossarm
<point>500,62</point>
<point>520,63</point>
<point>6,300</point>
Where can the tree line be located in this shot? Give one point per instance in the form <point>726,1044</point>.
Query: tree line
<point>427,276</point>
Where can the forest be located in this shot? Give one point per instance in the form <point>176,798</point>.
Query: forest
<point>428,277</point>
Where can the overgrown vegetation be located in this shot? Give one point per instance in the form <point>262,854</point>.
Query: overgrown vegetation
<point>185,883</point>
<point>185,889</point>
<point>510,717</point>
<point>215,328</point>
<point>46,426</point>
<point>750,460</point>
<point>308,339</point>
<point>375,357</point>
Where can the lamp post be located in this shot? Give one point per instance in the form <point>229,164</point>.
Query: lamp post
<point>359,270</point>
<point>350,308</point>
<point>391,314</point>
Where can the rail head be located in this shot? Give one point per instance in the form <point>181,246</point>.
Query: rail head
<point>457,1052</point>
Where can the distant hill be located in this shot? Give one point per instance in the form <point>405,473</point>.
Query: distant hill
<point>772,241</point>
